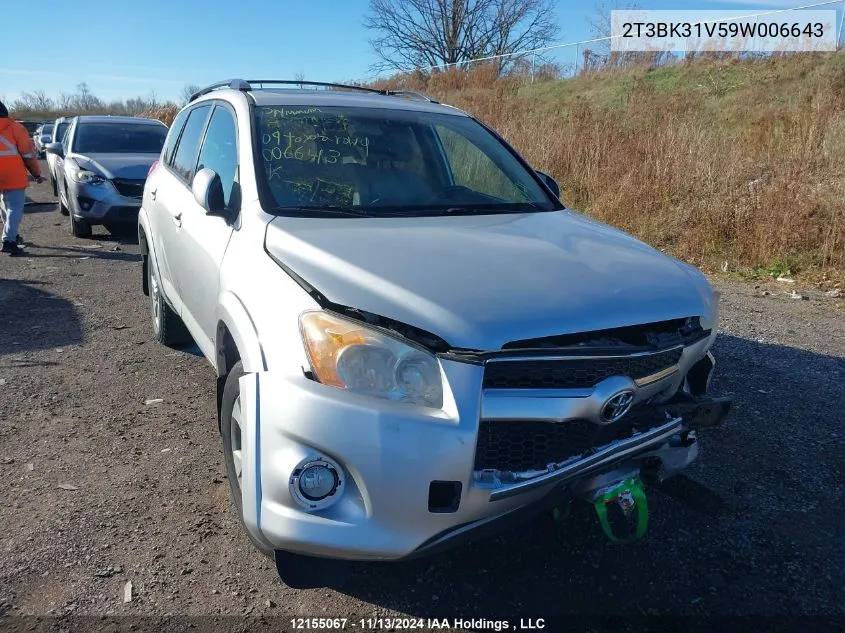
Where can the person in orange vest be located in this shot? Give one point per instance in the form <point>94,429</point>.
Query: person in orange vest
<point>17,156</point>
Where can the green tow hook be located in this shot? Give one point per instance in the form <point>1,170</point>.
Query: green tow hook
<point>629,495</point>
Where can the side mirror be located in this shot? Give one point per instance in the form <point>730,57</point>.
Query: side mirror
<point>551,183</point>
<point>208,191</point>
<point>55,148</point>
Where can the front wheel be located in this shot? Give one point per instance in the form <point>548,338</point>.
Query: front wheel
<point>79,228</point>
<point>231,431</point>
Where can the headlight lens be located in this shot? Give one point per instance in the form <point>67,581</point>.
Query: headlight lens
<point>351,356</point>
<point>86,177</point>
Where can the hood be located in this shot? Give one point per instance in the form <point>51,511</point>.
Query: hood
<point>129,166</point>
<point>479,282</point>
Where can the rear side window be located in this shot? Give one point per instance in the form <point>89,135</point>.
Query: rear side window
<point>66,137</point>
<point>59,134</point>
<point>173,136</point>
<point>185,159</point>
<point>219,149</point>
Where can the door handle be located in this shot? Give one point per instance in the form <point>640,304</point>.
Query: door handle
<point>177,218</point>
<point>153,194</point>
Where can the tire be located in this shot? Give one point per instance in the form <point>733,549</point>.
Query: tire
<point>79,228</point>
<point>295,570</point>
<point>230,433</point>
<point>62,208</point>
<point>168,328</point>
<point>55,190</point>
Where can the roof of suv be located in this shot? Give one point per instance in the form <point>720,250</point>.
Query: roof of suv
<point>299,93</point>
<point>348,99</point>
<point>104,118</point>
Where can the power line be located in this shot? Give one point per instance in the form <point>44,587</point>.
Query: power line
<point>534,51</point>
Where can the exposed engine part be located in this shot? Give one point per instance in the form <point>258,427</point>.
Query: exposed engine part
<point>659,335</point>
<point>699,376</point>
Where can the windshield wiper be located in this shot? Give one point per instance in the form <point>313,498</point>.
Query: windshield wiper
<point>329,209</point>
<point>485,210</point>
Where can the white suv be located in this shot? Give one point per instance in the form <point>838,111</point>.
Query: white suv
<point>413,338</point>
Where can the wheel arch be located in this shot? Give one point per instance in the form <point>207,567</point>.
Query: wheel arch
<point>145,259</point>
<point>236,340</point>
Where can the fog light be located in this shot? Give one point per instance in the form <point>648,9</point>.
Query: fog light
<point>316,483</point>
<point>85,203</point>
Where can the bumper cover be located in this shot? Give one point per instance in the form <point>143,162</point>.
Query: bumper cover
<point>391,453</point>
<point>102,204</point>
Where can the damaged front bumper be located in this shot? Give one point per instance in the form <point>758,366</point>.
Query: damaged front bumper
<point>410,481</point>
<point>662,444</point>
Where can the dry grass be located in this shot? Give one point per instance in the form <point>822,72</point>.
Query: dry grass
<point>165,113</point>
<point>712,161</point>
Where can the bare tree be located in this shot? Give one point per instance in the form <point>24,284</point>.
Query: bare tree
<point>65,102</point>
<point>188,91</point>
<point>420,33</point>
<point>601,56</point>
<point>84,100</point>
<point>36,101</point>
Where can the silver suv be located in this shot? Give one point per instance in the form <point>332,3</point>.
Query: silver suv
<point>414,340</point>
<point>104,161</point>
<point>54,162</point>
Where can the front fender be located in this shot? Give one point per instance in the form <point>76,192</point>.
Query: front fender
<point>234,318</point>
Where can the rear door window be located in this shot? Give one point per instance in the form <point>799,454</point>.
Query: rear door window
<point>185,159</point>
<point>173,137</point>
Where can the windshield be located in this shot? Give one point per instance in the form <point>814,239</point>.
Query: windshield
<point>47,129</point>
<point>119,138</point>
<point>389,162</point>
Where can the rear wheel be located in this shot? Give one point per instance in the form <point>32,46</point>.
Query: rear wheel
<point>167,326</point>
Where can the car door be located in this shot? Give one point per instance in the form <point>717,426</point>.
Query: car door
<point>61,188</point>
<point>58,133</point>
<point>160,181</point>
<point>169,192</point>
<point>203,238</point>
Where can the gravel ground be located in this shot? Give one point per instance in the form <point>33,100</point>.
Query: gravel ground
<point>101,488</point>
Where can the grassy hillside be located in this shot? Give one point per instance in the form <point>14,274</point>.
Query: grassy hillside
<point>733,161</point>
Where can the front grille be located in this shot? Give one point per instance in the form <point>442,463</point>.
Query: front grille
<point>532,445</point>
<point>573,374</point>
<point>129,188</point>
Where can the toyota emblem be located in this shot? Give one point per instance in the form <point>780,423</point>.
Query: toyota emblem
<point>617,406</point>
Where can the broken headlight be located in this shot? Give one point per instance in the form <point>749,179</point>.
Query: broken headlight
<point>350,355</point>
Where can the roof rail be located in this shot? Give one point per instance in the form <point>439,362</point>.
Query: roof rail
<point>234,84</point>
<point>410,94</point>
<point>252,84</point>
<point>323,84</point>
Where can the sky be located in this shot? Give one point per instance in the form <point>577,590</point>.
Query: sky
<point>125,48</point>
